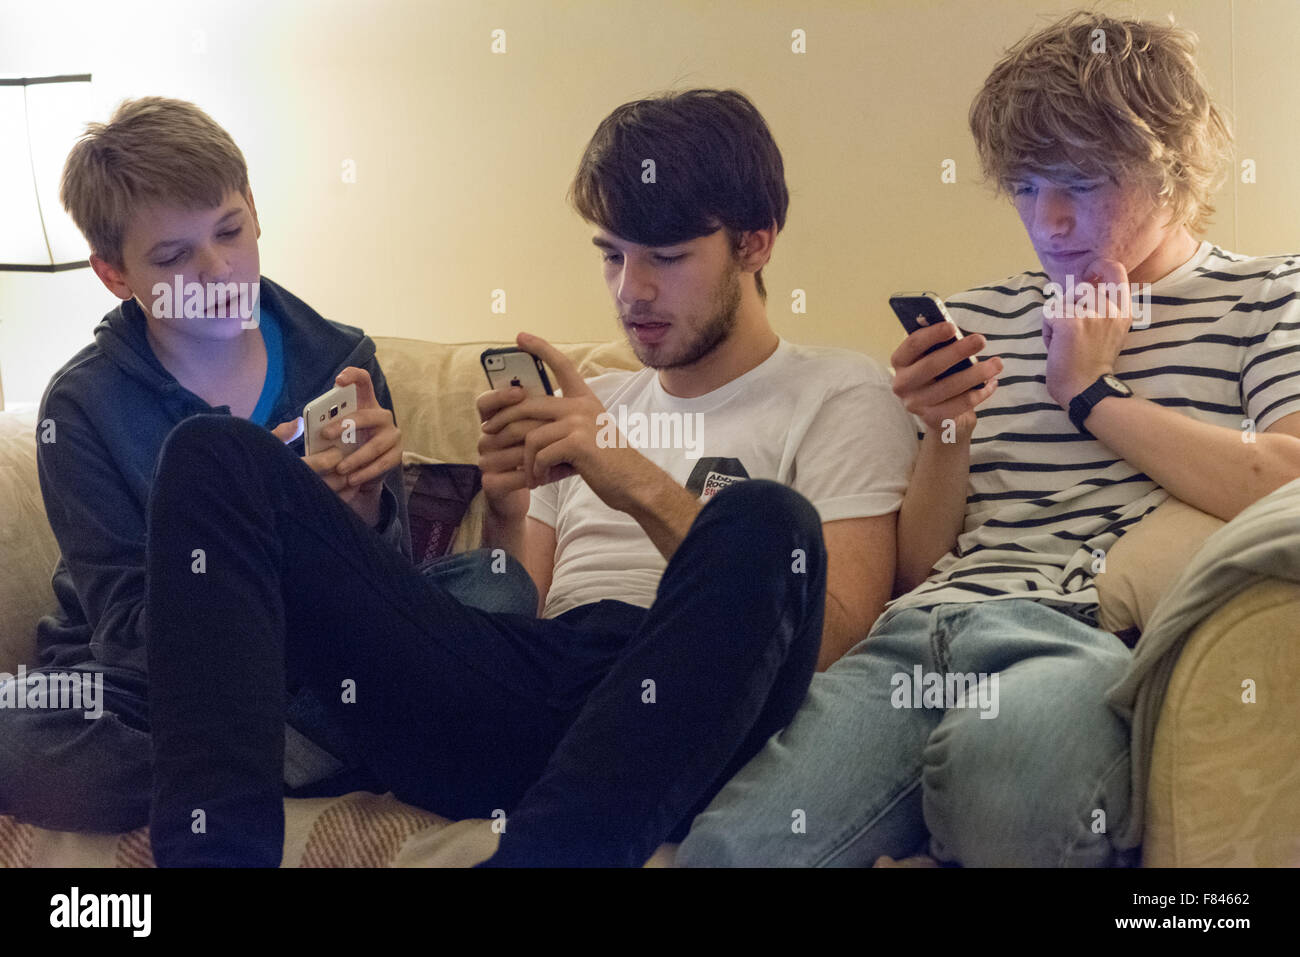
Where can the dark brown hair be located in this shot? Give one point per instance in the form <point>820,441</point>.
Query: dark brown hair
<point>716,167</point>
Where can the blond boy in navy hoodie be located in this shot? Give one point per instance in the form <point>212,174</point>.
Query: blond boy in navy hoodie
<point>161,193</point>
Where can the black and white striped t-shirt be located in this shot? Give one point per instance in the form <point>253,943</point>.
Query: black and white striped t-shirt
<point>1044,502</point>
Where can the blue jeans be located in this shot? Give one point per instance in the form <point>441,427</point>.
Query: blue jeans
<point>60,771</point>
<point>1033,773</point>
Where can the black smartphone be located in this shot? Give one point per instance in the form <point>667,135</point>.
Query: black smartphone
<point>511,366</point>
<point>918,310</point>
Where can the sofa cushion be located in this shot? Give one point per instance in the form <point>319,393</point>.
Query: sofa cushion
<point>1145,561</point>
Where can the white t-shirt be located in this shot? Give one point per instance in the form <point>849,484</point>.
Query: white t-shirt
<point>823,421</point>
<point>1044,502</point>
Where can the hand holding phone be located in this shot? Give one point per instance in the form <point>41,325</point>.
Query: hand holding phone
<point>935,374</point>
<point>352,442</point>
<point>501,456</point>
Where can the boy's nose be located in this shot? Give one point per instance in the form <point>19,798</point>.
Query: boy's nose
<point>1053,214</point>
<point>214,265</point>
<point>634,285</point>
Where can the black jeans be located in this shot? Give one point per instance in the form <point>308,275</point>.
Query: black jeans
<point>599,734</point>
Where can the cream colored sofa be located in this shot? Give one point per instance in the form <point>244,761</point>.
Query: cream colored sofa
<point>1223,780</point>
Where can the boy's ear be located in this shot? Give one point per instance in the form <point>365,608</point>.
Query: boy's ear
<point>111,277</point>
<point>756,248</point>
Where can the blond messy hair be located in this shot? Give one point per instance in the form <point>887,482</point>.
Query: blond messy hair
<point>152,150</point>
<point>1137,113</point>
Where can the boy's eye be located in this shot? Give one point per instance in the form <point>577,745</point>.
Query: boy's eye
<point>231,233</point>
<point>663,260</point>
<point>1024,189</point>
<point>174,260</point>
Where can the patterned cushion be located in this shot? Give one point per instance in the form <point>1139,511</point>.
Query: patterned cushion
<point>437,497</point>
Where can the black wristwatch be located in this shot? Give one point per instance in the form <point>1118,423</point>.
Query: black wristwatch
<point>1081,405</point>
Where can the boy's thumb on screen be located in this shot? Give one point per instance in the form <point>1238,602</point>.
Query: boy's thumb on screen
<point>286,432</point>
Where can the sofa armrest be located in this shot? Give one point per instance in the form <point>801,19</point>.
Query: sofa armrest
<point>1225,762</point>
<point>28,551</point>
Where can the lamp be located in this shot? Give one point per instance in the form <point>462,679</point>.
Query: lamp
<point>40,119</point>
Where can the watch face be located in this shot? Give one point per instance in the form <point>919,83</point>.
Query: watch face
<point>1117,385</point>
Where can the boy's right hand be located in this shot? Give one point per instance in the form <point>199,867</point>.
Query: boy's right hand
<point>501,457</point>
<point>936,400</point>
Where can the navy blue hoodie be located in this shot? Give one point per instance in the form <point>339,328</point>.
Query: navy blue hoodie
<point>112,405</point>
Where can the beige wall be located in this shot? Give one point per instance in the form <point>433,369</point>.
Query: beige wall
<point>463,156</point>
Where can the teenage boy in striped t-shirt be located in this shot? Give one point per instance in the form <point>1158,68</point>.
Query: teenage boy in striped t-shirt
<point>1078,422</point>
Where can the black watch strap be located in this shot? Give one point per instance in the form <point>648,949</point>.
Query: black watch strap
<point>1082,404</point>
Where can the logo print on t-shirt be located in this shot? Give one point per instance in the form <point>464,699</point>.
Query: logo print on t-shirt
<point>711,475</point>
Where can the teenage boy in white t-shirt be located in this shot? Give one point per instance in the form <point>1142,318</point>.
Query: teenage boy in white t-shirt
<point>975,713</point>
<point>690,587</point>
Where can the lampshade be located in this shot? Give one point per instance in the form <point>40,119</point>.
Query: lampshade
<point>41,118</point>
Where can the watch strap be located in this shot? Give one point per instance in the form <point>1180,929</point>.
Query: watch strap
<point>1081,405</point>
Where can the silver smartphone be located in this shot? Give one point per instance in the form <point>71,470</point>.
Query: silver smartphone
<point>337,403</point>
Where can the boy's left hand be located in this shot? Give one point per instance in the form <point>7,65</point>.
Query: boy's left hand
<point>1085,346</point>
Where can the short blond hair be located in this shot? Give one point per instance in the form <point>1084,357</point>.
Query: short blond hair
<point>152,150</point>
<point>1128,104</point>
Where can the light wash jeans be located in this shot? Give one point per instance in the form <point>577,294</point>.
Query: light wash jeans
<point>60,771</point>
<point>1042,781</point>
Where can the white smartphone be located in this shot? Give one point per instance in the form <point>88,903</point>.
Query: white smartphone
<point>511,366</point>
<point>337,403</point>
